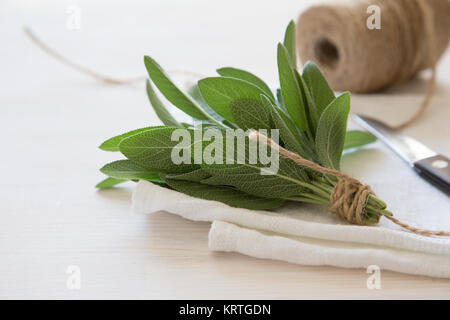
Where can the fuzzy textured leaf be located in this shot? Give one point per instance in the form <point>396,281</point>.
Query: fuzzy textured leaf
<point>321,92</point>
<point>290,89</point>
<point>171,91</point>
<point>159,108</point>
<point>286,182</point>
<point>290,43</point>
<point>227,195</point>
<point>195,93</point>
<point>109,183</point>
<point>128,170</point>
<point>112,144</point>
<point>308,102</point>
<point>330,136</point>
<point>289,139</point>
<point>194,176</point>
<point>153,149</point>
<point>356,138</point>
<point>250,114</point>
<point>218,92</point>
<point>247,76</point>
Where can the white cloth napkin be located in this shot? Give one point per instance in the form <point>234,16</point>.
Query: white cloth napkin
<point>310,235</point>
<point>225,236</point>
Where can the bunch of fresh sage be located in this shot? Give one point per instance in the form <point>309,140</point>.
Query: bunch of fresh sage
<point>310,119</point>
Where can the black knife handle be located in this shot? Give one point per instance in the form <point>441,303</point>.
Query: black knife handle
<point>435,170</point>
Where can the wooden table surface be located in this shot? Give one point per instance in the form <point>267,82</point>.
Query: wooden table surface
<point>54,224</point>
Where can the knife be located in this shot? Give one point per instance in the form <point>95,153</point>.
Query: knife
<point>433,167</point>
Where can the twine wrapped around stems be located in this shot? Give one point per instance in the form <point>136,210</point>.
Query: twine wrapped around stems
<point>349,196</point>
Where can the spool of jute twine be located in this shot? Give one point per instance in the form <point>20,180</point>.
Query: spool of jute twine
<point>349,196</point>
<point>412,36</point>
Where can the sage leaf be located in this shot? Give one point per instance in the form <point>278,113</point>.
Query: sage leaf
<point>290,89</point>
<point>218,92</point>
<point>194,176</point>
<point>247,76</point>
<point>195,93</point>
<point>310,107</point>
<point>128,170</point>
<point>109,183</point>
<point>288,181</point>
<point>171,91</point>
<point>159,108</point>
<point>356,138</point>
<point>330,135</point>
<point>153,149</point>
<point>248,178</point>
<point>321,92</point>
<point>112,144</point>
<point>280,101</point>
<point>289,139</point>
<point>227,195</point>
<point>250,114</point>
<point>290,43</point>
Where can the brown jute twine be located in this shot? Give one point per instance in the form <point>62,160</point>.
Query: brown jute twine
<point>349,196</point>
<point>90,72</point>
<point>412,37</point>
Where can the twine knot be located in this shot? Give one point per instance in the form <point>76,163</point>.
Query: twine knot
<point>349,198</point>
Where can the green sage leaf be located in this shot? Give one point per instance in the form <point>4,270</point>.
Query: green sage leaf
<point>289,139</point>
<point>195,93</point>
<point>112,144</point>
<point>153,149</point>
<point>109,183</point>
<point>321,92</point>
<point>194,176</point>
<point>159,108</point>
<point>129,170</point>
<point>310,107</point>
<point>218,92</point>
<point>356,138</point>
<point>250,114</point>
<point>280,101</point>
<point>330,135</point>
<point>246,76</point>
<point>290,89</point>
<point>290,43</point>
<point>287,181</point>
<point>227,195</point>
<point>171,91</point>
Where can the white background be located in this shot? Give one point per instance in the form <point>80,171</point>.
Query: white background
<point>52,119</point>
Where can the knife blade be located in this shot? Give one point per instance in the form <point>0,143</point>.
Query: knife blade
<point>433,167</point>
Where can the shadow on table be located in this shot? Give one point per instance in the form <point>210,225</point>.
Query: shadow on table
<point>117,194</point>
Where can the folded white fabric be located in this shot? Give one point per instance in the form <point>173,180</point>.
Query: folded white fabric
<point>225,236</point>
<point>311,235</point>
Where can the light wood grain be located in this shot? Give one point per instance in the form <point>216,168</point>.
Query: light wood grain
<point>52,121</point>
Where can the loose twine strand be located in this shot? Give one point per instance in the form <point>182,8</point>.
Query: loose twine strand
<point>349,196</point>
<point>433,57</point>
<point>421,13</point>
<point>89,72</point>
